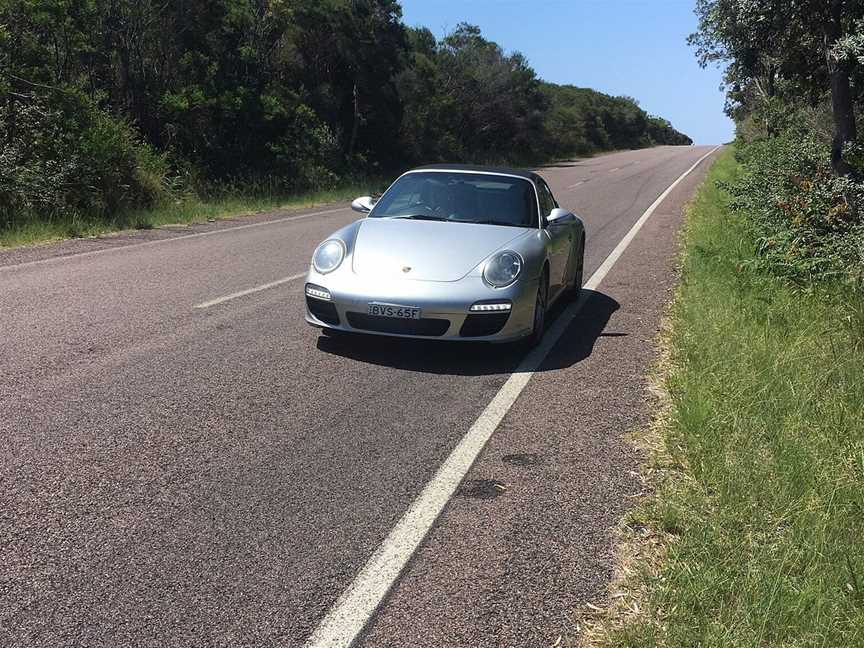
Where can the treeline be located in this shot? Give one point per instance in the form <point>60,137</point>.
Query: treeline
<point>113,104</point>
<point>795,85</point>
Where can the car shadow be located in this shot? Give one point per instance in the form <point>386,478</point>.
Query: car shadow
<point>479,359</point>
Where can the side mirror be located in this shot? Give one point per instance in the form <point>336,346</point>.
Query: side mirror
<point>364,204</point>
<point>558,216</point>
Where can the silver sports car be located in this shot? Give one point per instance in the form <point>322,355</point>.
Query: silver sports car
<point>449,252</point>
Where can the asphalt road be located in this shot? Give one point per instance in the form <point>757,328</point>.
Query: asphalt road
<point>181,476</point>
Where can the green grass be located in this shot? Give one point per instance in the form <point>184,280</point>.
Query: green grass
<point>764,507</point>
<point>191,210</point>
<point>36,230</point>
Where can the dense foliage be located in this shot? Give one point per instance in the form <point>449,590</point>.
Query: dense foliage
<point>795,82</point>
<point>806,219</point>
<point>112,104</point>
<point>583,120</point>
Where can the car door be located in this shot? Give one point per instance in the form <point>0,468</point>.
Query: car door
<point>560,239</point>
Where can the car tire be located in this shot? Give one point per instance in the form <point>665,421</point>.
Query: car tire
<point>575,287</point>
<point>540,306</point>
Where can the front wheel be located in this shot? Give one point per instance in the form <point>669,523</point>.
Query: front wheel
<point>540,305</point>
<point>575,286</point>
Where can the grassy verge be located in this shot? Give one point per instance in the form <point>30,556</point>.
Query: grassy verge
<point>755,533</point>
<point>193,210</point>
<point>37,230</point>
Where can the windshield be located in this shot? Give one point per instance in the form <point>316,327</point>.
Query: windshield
<point>460,197</point>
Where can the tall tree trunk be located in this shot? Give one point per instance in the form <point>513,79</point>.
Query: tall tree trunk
<point>841,93</point>
<point>11,108</point>
<point>844,117</point>
<point>356,125</point>
<point>11,114</point>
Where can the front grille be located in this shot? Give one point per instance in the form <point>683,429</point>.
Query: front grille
<point>479,325</point>
<point>323,310</point>
<point>397,326</point>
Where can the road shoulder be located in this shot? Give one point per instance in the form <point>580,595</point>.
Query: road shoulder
<point>129,238</point>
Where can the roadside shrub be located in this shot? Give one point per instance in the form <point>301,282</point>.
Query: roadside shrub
<point>119,171</point>
<point>66,156</point>
<point>807,222</point>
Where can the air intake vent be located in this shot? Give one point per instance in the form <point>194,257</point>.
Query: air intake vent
<point>427,326</point>
<point>481,325</point>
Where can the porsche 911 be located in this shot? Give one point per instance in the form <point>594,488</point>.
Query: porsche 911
<point>449,252</point>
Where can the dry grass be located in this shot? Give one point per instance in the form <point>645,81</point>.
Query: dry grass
<point>640,547</point>
<point>40,230</point>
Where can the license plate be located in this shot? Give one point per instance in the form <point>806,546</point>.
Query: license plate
<point>392,310</point>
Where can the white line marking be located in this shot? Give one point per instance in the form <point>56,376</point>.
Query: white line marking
<point>619,249</point>
<point>352,611</point>
<point>613,170</point>
<point>576,184</point>
<point>169,240</point>
<point>248,291</point>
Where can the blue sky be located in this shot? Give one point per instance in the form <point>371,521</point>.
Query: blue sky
<point>621,47</point>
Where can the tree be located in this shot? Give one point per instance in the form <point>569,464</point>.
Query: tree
<point>107,105</point>
<point>350,52</point>
<point>428,131</point>
<point>768,42</point>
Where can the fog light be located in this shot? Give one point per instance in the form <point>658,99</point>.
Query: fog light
<point>318,292</point>
<point>490,307</point>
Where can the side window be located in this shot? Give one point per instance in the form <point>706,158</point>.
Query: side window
<point>547,202</point>
<point>551,197</point>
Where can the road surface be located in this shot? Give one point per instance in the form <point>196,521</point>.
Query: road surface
<point>183,462</point>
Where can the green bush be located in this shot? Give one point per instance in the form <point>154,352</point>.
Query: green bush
<point>807,221</point>
<point>68,156</point>
<point>120,171</point>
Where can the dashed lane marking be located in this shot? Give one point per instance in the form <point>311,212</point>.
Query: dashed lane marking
<point>184,237</point>
<point>248,291</point>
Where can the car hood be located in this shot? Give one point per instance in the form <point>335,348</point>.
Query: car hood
<point>425,250</point>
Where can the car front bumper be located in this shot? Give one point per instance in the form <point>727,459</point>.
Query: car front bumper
<point>445,307</point>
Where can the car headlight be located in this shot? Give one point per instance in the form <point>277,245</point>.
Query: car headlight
<point>503,269</point>
<point>328,256</point>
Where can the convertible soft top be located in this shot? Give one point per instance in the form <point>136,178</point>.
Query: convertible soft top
<point>522,173</point>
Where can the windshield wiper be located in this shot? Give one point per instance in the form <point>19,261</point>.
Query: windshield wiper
<point>430,217</point>
<point>427,217</point>
<point>493,222</point>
